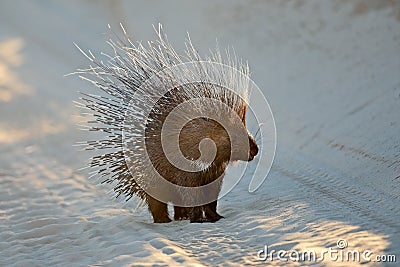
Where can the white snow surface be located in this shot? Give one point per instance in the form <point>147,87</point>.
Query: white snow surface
<point>330,71</point>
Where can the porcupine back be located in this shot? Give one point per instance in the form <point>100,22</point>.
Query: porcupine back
<point>125,78</point>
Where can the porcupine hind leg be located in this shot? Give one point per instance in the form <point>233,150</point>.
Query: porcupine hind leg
<point>181,213</point>
<point>210,211</point>
<point>158,209</point>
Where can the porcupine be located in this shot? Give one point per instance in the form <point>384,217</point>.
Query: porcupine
<point>156,78</point>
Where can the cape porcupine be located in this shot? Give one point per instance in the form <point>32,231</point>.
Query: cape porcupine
<point>172,124</point>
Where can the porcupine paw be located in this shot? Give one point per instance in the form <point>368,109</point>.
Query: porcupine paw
<point>206,219</point>
<point>181,218</point>
<point>213,217</point>
<point>196,215</point>
<point>198,220</point>
<point>181,213</point>
<point>211,213</point>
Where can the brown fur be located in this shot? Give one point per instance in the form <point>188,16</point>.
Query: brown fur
<point>189,139</point>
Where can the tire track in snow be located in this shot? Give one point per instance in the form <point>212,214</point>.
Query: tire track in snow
<point>330,184</point>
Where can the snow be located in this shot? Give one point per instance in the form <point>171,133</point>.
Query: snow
<point>330,71</point>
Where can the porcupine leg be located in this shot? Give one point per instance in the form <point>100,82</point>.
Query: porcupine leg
<point>158,209</point>
<point>196,215</point>
<point>210,211</point>
<point>181,213</point>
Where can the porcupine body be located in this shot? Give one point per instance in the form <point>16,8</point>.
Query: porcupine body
<point>156,97</point>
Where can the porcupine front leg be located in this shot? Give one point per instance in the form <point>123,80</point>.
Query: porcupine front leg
<point>159,210</point>
<point>196,215</point>
<point>210,211</point>
<point>181,213</point>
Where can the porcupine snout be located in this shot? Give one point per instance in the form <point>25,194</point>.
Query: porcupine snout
<point>247,150</point>
<point>253,148</point>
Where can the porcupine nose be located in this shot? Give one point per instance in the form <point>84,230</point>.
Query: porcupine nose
<point>253,148</point>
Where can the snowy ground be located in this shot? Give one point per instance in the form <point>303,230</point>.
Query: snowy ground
<point>331,73</point>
